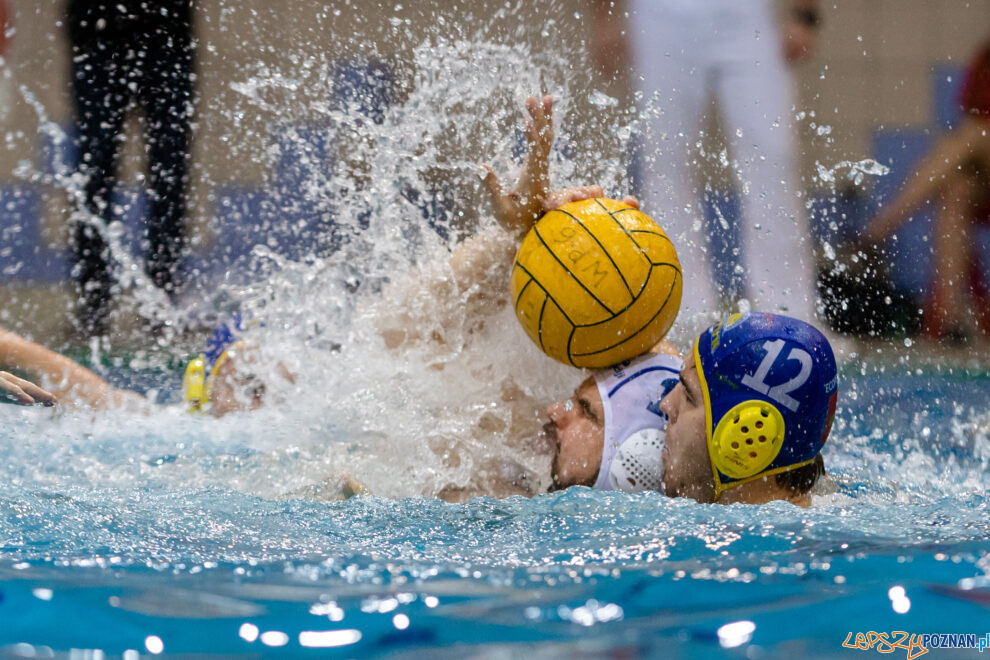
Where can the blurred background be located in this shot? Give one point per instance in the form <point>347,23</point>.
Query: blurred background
<point>882,83</point>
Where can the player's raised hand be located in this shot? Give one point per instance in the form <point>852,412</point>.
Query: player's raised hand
<point>519,208</point>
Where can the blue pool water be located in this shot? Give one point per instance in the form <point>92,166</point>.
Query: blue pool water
<point>146,563</point>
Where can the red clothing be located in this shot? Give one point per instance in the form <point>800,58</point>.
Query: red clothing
<point>975,98</point>
<point>975,102</point>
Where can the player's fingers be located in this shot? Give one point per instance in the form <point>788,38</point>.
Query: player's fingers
<point>586,192</point>
<point>539,135</point>
<point>532,137</point>
<point>539,123</point>
<point>544,122</point>
<point>548,113</point>
<point>491,184</point>
<point>577,194</point>
<point>530,118</point>
<point>9,385</point>
<point>533,108</point>
<point>21,396</point>
<point>36,393</point>
<point>631,201</point>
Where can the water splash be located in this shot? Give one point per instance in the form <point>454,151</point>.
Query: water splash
<point>857,171</point>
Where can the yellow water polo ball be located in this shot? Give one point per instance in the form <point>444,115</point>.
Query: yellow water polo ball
<point>596,282</point>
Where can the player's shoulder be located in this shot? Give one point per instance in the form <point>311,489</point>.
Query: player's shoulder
<point>664,347</point>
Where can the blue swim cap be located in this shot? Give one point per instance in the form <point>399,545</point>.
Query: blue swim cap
<point>227,333</point>
<point>770,386</point>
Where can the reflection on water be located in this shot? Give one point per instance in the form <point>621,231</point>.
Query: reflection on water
<point>194,552</point>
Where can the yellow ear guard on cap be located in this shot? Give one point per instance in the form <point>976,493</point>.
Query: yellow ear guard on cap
<point>194,384</point>
<point>747,439</point>
<point>197,384</point>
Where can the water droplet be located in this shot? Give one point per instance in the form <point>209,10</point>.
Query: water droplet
<point>601,100</point>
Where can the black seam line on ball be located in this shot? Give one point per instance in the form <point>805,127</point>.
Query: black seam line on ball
<point>525,286</point>
<point>655,233</point>
<point>547,293</point>
<point>616,220</point>
<point>645,325</point>
<point>595,239</point>
<point>670,265</point>
<point>539,325</point>
<point>570,339</point>
<point>570,274</point>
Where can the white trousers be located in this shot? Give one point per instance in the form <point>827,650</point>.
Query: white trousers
<point>684,52</point>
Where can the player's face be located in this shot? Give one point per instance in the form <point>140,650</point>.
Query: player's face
<point>687,466</point>
<point>235,387</point>
<point>577,431</point>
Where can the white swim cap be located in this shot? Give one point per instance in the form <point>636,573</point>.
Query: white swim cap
<point>634,426</point>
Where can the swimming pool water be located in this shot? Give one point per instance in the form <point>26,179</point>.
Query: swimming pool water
<point>145,564</point>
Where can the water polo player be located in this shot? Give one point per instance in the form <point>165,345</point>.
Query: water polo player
<point>225,378</point>
<point>755,399</point>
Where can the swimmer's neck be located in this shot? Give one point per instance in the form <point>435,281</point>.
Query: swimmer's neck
<point>762,491</point>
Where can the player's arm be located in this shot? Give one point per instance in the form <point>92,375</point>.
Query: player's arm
<point>970,140</point>
<point>473,284</point>
<point>518,209</point>
<point>67,380</point>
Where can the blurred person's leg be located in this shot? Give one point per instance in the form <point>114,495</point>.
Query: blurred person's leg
<point>754,91</point>
<point>670,40</point>
<point>99,90</point>
<point>166,94</point>
<point>946,314</point>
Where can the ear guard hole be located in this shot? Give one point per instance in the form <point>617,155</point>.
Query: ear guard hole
<point>747,439</point>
